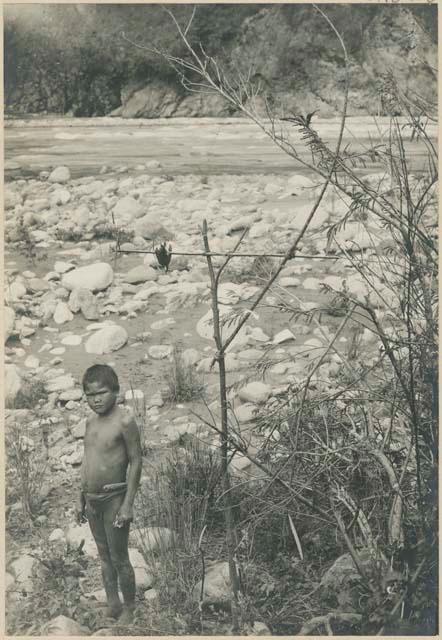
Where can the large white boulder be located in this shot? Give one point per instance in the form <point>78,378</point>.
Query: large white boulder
<point>152,539</point>
<point>229,293</point>
<point>60,383</point>
<point>60,175</point>
<point>106,340</point>
<point>63,267</point>
<point>15,290</point>
<point>60,196</point>
<point>150,228</point>
<point>23,569</point>
<point>62,313</point>
<point>95,277</point>
<point>160,351</point>
<point>76,533</point>
<point>81,215</point>
<point>143,578</point>
<point>301,212</point>
<point>64,626</point>
<point>84,300</point>
<point>142,273</point>
<point>245,412</point>
<point>11,198</point>
<point>256,392</point>
<point>204,325</point>
<point>300,184</point>
<point>355,237</point>
<point>126,210</point>
<point>216,584</point>
<point>260,230</point>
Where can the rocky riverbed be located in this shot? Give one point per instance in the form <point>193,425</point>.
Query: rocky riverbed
<point>71,301</point>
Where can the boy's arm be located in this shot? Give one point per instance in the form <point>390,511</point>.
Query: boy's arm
<point>131,437</point>
<point>80,506</point>
<point>81,500</point>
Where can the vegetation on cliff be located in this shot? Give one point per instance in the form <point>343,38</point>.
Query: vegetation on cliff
<point>74,59</point>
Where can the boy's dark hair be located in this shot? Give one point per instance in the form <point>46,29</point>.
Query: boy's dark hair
<point>102,373</point>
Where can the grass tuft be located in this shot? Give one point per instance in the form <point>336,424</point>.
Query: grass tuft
<point>183,384</point>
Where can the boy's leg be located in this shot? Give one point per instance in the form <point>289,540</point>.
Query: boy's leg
<point>108,571</point>
<point>118,541</point>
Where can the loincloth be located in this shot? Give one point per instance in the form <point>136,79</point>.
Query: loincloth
<point>109,492</point>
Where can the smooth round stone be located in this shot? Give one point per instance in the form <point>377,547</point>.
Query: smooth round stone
<point>32,362</point>
<point>161,324</point>
<point>311,283</point>
<point>71,394</point>
<point>134,394</point>
<point>151,594</point>
<point>72,341</point>
<point>159,351</point>
<point>58,351</point>
<point>63,267</point>
<point>98,325</point>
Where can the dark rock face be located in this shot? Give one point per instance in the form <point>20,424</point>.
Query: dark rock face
<point>289,51</point>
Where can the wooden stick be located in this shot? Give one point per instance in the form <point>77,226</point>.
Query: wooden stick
<point>231,255</point>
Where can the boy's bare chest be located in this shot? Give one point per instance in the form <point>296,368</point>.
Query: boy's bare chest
<point>103,437</point>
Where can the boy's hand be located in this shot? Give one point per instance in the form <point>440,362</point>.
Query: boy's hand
<point>80,510</point>
<point>124,516</point>
<point>80,514</point>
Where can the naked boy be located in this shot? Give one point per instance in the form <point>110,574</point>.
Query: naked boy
<point>110,475</point>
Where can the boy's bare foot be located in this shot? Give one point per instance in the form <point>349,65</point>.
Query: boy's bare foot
<point>127,617</point>
<point>113,611</point>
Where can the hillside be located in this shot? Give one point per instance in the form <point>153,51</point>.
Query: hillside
<point>75,60</point>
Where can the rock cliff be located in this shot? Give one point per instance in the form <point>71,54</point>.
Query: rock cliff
<point>105,64</point>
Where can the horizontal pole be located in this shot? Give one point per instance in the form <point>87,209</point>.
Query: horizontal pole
<point>231,255</point>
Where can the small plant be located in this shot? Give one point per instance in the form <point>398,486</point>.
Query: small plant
<point>55,591</point>
<point>26,244</point>
<point>139,410</point>
<point>68,235</point>
<point>30,394</point>
<point>107,231</point>
<point>182,497</point>
<point>182,382</point>
<point>25,470</point>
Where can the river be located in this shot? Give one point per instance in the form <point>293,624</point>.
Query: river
<point>181,145</point>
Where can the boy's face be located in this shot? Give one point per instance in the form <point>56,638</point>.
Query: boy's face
<point>100,398</point>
